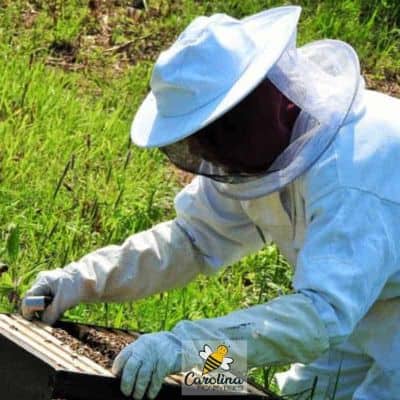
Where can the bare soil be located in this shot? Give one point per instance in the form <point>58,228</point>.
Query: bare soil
<point>390,86</point>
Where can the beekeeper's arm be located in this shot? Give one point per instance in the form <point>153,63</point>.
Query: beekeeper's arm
<point>345,262</point>
<point>210,231</point>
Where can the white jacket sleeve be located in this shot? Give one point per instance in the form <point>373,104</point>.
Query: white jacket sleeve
<point>210,231</point>
<point>347,258</point>
<point>284,330</point>
<point>158,259</point>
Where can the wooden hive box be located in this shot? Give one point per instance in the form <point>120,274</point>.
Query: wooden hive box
<point>35,365</point>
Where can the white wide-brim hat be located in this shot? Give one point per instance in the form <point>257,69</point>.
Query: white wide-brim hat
<point>214,64</point>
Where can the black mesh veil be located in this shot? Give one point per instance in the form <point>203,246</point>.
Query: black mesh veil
<point>181,154</point>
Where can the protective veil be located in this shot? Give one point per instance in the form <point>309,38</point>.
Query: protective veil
<point>331,208</point>
<point>323,80</point>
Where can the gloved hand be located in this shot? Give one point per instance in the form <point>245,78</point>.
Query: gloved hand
<point>284,330</point>
<point>146,362</point>
<point>59,284</point>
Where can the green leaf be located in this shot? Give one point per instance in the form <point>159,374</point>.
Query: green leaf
<point>6,284</point>
<point>13,242</point>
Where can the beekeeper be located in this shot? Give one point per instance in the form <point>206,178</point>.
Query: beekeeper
<point>288,146</point>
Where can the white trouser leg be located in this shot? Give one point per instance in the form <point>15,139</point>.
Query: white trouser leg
<point>351,365</point>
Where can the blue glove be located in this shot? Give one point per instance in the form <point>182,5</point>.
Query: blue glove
<point>145,363</point>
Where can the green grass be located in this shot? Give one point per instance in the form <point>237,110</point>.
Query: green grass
<point>70,181</point>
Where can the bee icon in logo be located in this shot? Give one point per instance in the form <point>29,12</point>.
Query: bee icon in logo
<point>215,359</point>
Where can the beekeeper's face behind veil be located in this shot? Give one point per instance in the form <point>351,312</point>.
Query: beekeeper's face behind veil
<point>244,141</point>
<point>225,97</point>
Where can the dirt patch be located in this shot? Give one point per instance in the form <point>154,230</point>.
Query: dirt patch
<point>63,48</point>
<point>183,177</point>
<point>390,86</point>
<point>112,35</point>
<point>100,346</point>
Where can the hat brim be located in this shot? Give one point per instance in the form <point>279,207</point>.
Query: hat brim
<point>272,30</point>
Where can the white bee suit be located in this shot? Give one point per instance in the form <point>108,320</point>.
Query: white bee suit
<point>332,204</point>
<point>341,231</point>
<point>343,224</point>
